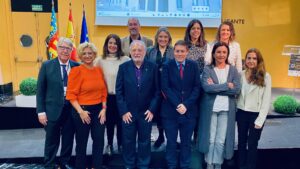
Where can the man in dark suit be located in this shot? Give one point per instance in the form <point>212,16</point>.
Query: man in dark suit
<point>137,99</point>
<point>52,108</point>
<point>180,83</point>
<point>134,34</point>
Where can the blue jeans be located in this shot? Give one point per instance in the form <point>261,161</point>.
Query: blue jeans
<point>218,129</point>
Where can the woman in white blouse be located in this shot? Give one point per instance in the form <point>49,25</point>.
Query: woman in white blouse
<point>253,106</point>
<point>226,34</point>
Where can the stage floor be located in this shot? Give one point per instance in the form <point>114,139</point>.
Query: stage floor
<point>278,133</point>
<point>280,137</point>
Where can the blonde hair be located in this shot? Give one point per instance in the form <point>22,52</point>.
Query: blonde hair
<point>84,45</point>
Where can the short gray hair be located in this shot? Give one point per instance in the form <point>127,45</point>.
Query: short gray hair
<point>133,18</point>
<point>64,40</point>
<point>137,42</point>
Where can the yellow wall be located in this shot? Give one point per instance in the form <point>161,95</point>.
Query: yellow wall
<point>6,65</point>
<point>265,24</point>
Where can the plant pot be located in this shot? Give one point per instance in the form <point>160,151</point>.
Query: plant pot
<point>26,101</point>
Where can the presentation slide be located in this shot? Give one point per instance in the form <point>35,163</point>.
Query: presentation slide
<point>171,13</point>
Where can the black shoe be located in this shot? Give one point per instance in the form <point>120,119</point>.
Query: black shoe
<point>158,142</point>
<point>177,145</point>
<point>66,166</point>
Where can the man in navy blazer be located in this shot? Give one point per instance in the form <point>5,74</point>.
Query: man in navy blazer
<point>137,92</point>
<point>180,83</point>
<point>54,112</point>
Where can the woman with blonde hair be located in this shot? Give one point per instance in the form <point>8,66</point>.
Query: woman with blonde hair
<point>253,106</point>
<point>87,93</point>
<point>226,34</point>
<point>160,53</point>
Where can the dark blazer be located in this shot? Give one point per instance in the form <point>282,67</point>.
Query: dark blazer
<point>152,54</point>
<point>176,90</point>
<point>50,90</point>
<point>136,100</point>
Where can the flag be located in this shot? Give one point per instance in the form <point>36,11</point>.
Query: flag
<point>84,32</point>
<point>71,35</point>
<point>52,51</point>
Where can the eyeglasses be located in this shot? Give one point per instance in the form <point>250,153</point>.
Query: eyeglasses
<point>65,48</point>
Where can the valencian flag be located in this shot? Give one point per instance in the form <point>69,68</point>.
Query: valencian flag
<point>71,35</point>
<point>84,32</point>
<point>52,51</point>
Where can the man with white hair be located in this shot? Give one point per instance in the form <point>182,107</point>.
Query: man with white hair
<point>137,92</point>
<point>54,112</point>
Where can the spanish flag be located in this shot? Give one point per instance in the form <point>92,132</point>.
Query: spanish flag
<point>71,35</point>
<point>52,51</point>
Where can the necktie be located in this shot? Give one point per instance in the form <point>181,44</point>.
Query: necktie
<point>65,75</point>
<point>181,70</point>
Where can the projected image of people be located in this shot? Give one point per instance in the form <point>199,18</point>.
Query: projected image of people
<point>110,12</point>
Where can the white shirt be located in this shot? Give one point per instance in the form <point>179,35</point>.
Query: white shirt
<point>68,68</point>
<point>221,102</point>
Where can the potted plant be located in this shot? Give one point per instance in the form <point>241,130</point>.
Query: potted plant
<point>28,88</point>
<point>285,104</point>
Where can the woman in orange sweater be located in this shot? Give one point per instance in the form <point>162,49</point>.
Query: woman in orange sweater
<point>87,93</point>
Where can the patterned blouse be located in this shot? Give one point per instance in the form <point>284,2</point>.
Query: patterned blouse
<point>198,54</point>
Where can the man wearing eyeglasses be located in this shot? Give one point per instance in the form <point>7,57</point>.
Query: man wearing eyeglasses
<point>54,112</point>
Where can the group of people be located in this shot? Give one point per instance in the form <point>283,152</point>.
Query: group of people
<point>194,90</point>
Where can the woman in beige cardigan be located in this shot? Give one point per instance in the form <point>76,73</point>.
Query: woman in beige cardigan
<point>253,106</point>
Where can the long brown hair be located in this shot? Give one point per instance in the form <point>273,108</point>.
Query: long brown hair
<point>187,37</point>
<point>258,74</point>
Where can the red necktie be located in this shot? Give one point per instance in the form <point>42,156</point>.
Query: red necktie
<point>181,70</point>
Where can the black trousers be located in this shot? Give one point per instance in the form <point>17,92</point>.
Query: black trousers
<point>62,128</point>
<point>183,126</point>
<point>113,119</point>
<point>248,136</point>
<point>82,135</point>
<point>138,130</point>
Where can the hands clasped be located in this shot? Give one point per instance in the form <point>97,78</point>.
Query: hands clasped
<point>181,108</point>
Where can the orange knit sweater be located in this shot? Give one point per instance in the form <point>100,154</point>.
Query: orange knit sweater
<point>87,86</point>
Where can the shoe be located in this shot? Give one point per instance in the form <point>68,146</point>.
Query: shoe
<point>152,138</point>
<point>210,166</point>
<point>109,150</point>
<point>66,166</point>
<point>158,142</point>
<point>218,166</point>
